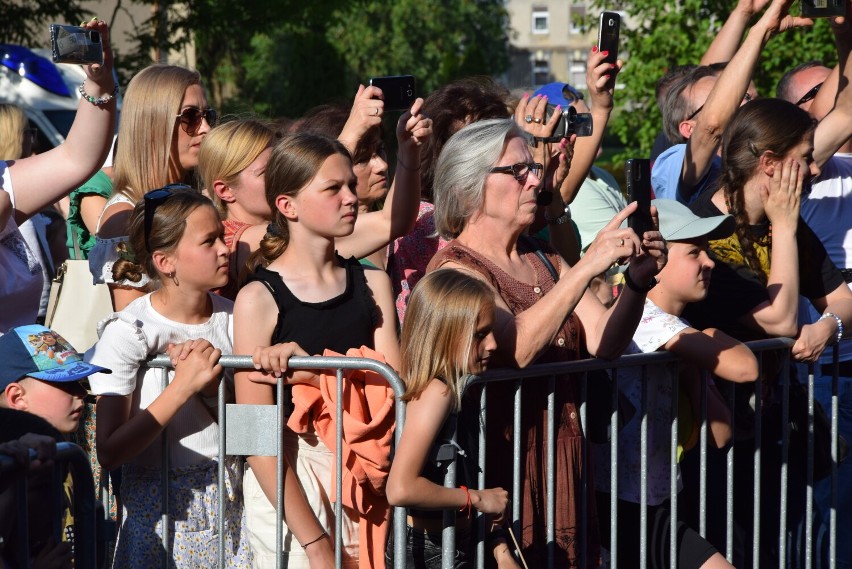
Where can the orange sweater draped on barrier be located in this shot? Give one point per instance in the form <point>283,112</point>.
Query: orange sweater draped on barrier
<point>368,426</point>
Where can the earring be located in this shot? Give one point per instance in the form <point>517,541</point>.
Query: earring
<point>173,276</point>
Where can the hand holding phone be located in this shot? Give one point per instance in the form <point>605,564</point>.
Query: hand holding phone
<point>398,92</point>
<point>608,31</point>
<point>75,44</point>
<point>637,172</point>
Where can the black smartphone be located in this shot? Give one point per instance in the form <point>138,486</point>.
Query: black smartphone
<point>74,44</point>
<point>398,91</point>
<point>637,172</point>
<point>823,8</point>
<point>608,29</point>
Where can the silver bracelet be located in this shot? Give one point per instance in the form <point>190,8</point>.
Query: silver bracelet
<point>839,324</point>
<point>564,218</point>
<point>100,101</point>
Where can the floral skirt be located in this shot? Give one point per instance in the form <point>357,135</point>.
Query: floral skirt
<point>193,518</point>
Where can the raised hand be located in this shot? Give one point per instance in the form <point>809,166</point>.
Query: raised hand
<point>101,74</point>
<point>413,127</point>
<point>612,244</point>
<point>367,110</point>
<point>600,78</point>
<point>782,199</point>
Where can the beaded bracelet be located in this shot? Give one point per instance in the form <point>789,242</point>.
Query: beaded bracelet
<point>839,323</point>
<point>100,100</point>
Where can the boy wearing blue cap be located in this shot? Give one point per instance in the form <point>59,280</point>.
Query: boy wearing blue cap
<point>40,373</point>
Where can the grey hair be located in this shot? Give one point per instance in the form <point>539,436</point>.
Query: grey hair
<point>462,168</point>
<point>678,104</point>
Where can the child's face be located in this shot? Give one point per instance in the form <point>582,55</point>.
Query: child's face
<point>687,273</point>
<point>201,256</point>
<point>60,404</point>
<point>483,344</point>
<point>327,205</point>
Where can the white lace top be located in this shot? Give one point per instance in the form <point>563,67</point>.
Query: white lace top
<point>104,254</point>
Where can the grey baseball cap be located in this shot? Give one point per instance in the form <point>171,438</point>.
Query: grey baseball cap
<point>678,223</point>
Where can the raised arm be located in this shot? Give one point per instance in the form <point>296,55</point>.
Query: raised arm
<point>725,44</point>
<point>376,229</point>
<point>727,95</point>
<point>43,179</point>
<point>834,129</point>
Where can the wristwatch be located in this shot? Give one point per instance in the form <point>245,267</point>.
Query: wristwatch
<point>641,289</point>
<point>564,218</point>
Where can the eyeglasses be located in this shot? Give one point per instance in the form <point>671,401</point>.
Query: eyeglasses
<point>746,99</point>
<point>190,119</point>
<point>156,198</point>
<point>520,170</point>
<point>809,96</point>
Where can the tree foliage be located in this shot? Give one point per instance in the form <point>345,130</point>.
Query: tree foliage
<point>25,21</point>
<point>662,34</point>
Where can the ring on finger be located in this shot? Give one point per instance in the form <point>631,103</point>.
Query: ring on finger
<point>537,120</point>
<point>528,119</point>
<point>621,242</point>
<point>377,111</point>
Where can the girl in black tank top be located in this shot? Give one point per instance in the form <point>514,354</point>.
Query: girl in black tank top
<point>446,335</point>
<point>303,299</point>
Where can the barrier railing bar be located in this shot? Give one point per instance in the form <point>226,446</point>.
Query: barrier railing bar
<point>758,411</point>
<point>483,417</point>
<point>809,472</point>
<point>164,481</point>
<point>613,484</point>
<point>550,498</point>
<point>220,469</point>
<point>279,473</point>
<point>338,486</point>
<point>729,480</point>
<point>448,535</point>
<point>516,464</point>
<point>584,473</point>
<point>785,452</point>
<point>835,409</point>
<point>643,473</point>
<point>673,468</point>
<point>702,471</point>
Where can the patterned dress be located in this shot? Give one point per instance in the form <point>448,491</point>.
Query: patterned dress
<point>568,345</point>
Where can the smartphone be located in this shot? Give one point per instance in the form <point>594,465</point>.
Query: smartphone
<point>637,173</point>
<point>73,44</point>
<point>571,122</point>
<point>398,91</point>
<point>608,29</point>
<point>823,8</point>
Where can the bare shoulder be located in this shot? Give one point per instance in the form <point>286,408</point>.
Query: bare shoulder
<point>115,220</point>
<point>254,298</point>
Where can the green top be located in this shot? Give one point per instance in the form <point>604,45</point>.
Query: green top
<point>98,185</point>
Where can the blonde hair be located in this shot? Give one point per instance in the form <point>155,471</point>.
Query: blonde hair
<point>439,328</point>
<point>146,158</point>
<point>292,165</point>
<point>229,149</point>
<point>13,121</point>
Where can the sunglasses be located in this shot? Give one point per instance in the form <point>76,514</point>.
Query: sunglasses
<point>520,171</point>
<point>809,96</point>
<point>156,198</point>
<point>191,117</point>
<point>746,99</point>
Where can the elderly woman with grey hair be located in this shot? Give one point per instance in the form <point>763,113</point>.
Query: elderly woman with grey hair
<point>486,185</point>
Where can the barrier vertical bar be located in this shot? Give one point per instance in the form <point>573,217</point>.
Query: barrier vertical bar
<point>483,413</point>
<point>729,480</point>
<point>550,449</point>
<point>673,469</point>
<point>702,477</point>
<point>221,471</point>
<point>835,431</point>
<point>21,487</point>
<point>399,513</point>
<point>448,531</point>
<point>517,496</point>
<point>643,473</point>
<point>164,482</point>
<point>613,483</point>
<point>338,485</point>
<point>785,456</point>
<point>758,411</point>
<point>279,474</point>
<point>582,534</point>
<point>809,466</point>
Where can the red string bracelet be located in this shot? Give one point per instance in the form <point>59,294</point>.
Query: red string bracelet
<point>467,506</point>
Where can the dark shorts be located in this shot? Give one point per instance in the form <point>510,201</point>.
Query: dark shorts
<point>692,549</point>
<point>423,550</point>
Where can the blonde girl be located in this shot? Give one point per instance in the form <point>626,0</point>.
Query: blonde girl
<point>447,335</point>
<point>164,118</point>
<point>176,236</point>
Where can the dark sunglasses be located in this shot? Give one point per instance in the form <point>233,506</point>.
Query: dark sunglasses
<point>191,117</point>
<point>809,96</point>
<point>520,171</point>
<point>156,198</point>
<point>746,99</point>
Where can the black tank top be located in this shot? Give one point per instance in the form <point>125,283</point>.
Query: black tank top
<point>345,321</point>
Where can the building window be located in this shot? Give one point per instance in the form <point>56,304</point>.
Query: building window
<point>578,15</point>
<point>540,72</point>
<point>540,20</point>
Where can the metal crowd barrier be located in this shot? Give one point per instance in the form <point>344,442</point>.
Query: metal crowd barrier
<point>254,437</point>
<point>85,555</point>
<point>245,430</point>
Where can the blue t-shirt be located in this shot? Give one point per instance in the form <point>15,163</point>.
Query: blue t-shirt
<point>665,175</point>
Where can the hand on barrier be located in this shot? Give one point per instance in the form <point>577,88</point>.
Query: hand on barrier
<point>19,450</point>
<point>812,340</point>
<point>490,501</point>
<point>199,371</point>
<point>271,363</point>
<point>54,556</point>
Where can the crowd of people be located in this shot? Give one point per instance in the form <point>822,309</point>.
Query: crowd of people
<point>486,245</point>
